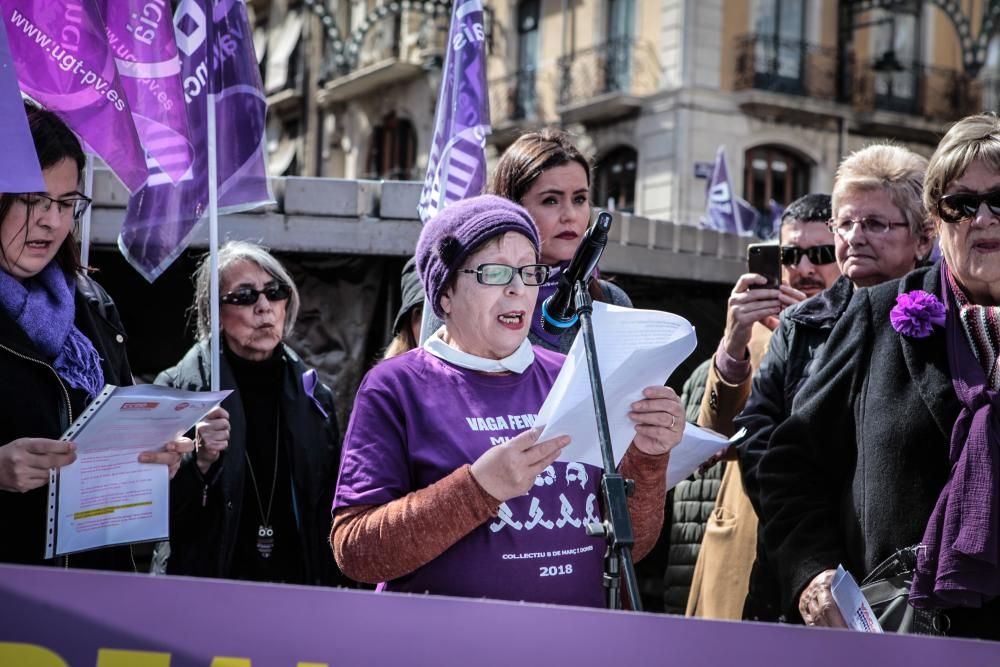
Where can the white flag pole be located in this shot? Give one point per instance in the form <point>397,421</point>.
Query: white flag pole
<point>213,201</point>
<point>88,191</point>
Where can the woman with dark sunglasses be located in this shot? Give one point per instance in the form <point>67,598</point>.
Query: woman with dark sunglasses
<point>61,341</point>
<point>444,487</point>
<point>892,446</point>
<point>253,502</point>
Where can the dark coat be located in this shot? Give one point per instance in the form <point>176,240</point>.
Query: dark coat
<point>791,357</point>
<point>854,473</point>
<point>36,403</point>
<point>203,535</point>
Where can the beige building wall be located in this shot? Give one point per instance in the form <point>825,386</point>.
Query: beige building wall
<point>684,98</point>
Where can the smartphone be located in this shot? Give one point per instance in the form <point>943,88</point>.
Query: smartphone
<point>765,259</point>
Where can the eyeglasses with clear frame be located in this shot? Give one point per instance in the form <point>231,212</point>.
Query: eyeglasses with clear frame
<point>532,275</point>
<point>69,208</point>
<point>872,226</point>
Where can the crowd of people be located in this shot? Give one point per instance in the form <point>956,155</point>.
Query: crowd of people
<point>861,390</point>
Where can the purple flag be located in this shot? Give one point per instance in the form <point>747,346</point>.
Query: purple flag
<point>724,211</point>
<point>720,208</point>
<point>19,169</point>
<point>456,167</point>
<point>63,62</point>
<point>162,217</point>
<point>141,37</point>
<point>776,210</point>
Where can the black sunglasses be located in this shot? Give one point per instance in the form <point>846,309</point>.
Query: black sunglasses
<point>961,206</point>
<point>791,255</point>
<point>247,296</point>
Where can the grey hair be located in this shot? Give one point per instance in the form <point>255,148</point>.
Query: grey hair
<point>230,253</point>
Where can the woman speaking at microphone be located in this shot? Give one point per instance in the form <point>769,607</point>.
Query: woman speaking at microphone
<point>444,486</point>
<point>547,175</point>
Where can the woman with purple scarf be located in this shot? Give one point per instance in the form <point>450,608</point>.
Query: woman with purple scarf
<point>892,445</point>
<point>444,486</point>
<point>548,175</point>
<point>61,341</point>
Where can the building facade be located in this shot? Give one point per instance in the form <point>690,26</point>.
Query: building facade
<point>650,87</point>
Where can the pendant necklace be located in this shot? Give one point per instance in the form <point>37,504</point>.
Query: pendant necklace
<point>265,533</point>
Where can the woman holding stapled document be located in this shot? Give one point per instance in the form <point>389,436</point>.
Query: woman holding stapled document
<point>61,341</point>
<point>443,486</point>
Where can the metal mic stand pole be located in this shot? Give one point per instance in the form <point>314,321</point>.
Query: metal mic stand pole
<point>616,528</point>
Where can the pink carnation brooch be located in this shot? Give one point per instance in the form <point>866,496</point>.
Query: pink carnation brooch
<point>916,313</point>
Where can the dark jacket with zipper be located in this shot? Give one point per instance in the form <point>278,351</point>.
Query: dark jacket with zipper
<point>36,403</point>
<point>791,357</point>
<point>854,473</point>
<point>205,509</point>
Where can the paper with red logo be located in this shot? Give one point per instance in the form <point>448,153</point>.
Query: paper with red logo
<point>852,603</point>
<point>106,496</point>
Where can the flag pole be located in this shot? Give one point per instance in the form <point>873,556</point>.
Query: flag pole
<point>88,191</point>
<point>213,198</point>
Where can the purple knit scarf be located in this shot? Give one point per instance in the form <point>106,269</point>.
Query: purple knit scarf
<point>43,307</point>
<point>958,564</point>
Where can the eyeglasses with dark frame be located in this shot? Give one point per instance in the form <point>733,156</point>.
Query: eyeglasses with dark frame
<point>247,296</point>
<point>532,275</point>
<point>960,206</point>
<point>76,205</point>
<point>819,255</point>
<point>844,226</point>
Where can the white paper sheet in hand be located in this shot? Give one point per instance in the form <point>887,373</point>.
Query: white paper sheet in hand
<point>696,446</point>
<point>852,604</point>
<point>635,349</point>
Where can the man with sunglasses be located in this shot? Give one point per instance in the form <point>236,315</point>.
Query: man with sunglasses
<point>808,266</point>
<point>879,229</point>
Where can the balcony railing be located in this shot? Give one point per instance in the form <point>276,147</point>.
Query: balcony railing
<point>515,97</point>
<point>764,62</point>
<point>619,66</point>
<point>797,68</point>
<point>932,92</point>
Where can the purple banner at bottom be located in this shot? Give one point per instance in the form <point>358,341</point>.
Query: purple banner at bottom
<point>56,617</point>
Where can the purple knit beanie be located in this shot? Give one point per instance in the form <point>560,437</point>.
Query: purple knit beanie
<point>458,231</point>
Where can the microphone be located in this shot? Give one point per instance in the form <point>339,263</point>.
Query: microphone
<point>559,311</point>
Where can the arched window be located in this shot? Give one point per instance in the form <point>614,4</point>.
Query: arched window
<point>392,151</point>
<point>771,172</point>
<point>614,180</point>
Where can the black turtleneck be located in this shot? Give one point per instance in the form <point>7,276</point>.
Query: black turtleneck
<point>259,384</point>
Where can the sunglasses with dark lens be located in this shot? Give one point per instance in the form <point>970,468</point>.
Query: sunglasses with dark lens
<point>961,206</point>
<point>791,255</point>
<point>532,275</point>
<point>247,296</point>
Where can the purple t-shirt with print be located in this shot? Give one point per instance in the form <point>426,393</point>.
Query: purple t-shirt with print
<point>417,419</point>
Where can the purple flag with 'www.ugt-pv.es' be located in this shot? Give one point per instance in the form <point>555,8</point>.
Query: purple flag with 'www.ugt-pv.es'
<point>141,37</point>
<point>63,62</point>
<point>162,217</point>
<point>456,167</point>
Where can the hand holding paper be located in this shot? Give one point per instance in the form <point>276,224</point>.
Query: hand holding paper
<point>635,349</point>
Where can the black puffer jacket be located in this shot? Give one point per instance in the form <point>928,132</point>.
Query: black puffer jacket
<point>203,533</point>
<point>36,403</point>
<point>791,357</point>
<point>692,501</point>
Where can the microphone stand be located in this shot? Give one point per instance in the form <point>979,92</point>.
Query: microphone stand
<point>616,529</point>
